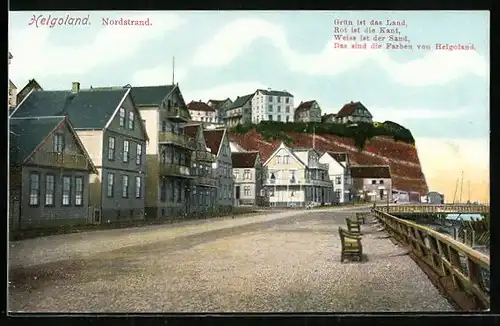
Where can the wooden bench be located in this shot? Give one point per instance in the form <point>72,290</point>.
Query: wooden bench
<point>361,217</point>
<point>353,226</point>
<point>351,245</point>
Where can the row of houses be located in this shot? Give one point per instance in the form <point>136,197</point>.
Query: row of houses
<point>271,105</point>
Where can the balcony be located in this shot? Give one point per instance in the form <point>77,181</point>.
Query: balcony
<point>168,137</point>
<point>175,170</point>
<point>234,114</point>
<point>206,181</point>
<point>295,182</point>
<point>178,114</point>
<point>61,160</point>
<point>204,156</point>
<point>317,165</point>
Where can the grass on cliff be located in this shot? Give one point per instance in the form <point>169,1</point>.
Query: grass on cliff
<point>273,130</point>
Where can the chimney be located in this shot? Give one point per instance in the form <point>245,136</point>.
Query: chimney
<point>352,102</point>
<point>76,87</point>
<point>269,88</point>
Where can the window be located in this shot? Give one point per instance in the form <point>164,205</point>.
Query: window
<point>124,186</point>
<point>66,191</point>
<point>292,176</point>
<point>246,191</point>
<point>131,120</point>
<point>381,182</point>
<point>279,117</point>
<point>236,174</point>
<point>58,143</point>
<point>125,150</point>
<point>78,191</point>
<point>279,108</point>
<point>337,193</point>
<point>287,100</point>
<point>111,148</point>
<point>49,189</point>
<point>269,98</point>
<point>246,174</point>
<point>111,184</point>
<point>286,159</point>
<point>34,188</point>
<point>278,98</point>
<point>163,191</point>
<point>338,180</point>
<point>122,117</point>
<point>270,117</point>
<point>287,118</point>
<point>138,156</point>
<point>287,110</point>
<point>164,126</point>
<point>137,187</point>
<point>270,107</point>
<point>278,159</point>
<point>271,192</point>
<point>374,182</point>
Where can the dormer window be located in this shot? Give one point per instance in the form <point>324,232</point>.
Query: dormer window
<point>122,117</point>
<point>58,143</point>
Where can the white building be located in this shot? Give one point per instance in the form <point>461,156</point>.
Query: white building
<point>294,177</point>
<point>340,174</point>
<point>270,105</point>
<point>201,111</point>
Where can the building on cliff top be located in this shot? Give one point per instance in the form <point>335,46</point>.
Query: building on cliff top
<point>308,112</point>
<point>295,177</point>
<point>202,112</point>
<point>372,183</point>
<point>220,107</point>
<point>240,111</point>
<point>272,105</point>
<point>339,171</point>
<point>354,112</point>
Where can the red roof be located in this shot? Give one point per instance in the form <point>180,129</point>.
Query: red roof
<point>191,130</point>
<point>213,139</point>
<point>349,108</point>
<point>244,159</point>
<point>200,106</point>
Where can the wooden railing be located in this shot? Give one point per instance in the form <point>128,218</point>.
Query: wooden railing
<point>180,140</point>
<point>175,170</point>
<point>436,209</point>
<point>62,160</point>
<point>178,113</point>
<point>204,156</point>
<point>444,255</point>
<point>206,181</point>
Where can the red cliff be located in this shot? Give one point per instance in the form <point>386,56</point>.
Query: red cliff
<point>400,156</point>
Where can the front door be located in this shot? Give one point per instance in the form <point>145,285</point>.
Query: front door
<point>381,191</point>
<point>237,195</point>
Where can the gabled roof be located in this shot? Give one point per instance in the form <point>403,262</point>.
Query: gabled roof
<point>339,156</point>
<point>213,139</point>
<point>371,171</point>
<point>200,106</point>
<point>289,150</point>
<point>33,84</point>
<point>151,95</point>
<point>304,106</point>
<point>349,109</point>
<point>240,101</point>
<point>27,134</point>
<point>244,159</point>
<point>88,109</point>
<point>274,93</point>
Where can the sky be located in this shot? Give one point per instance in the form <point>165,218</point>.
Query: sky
<point>441,96</point>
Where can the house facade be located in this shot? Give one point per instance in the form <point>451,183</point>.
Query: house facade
<point>169,152</point>
<point>204,184</point>
<point>328,118</point>
<point>202,112</point>
<point>294,177</point>
<point>372,183</point>
<point>49,174</point>
<point>272,105</point>
<point>240,111</point>
<point>220,107</point>
<point>354,112</point>
<point>339,171</point>
<point>247,173</point>
<point>113,135</point>
<point>218,143</point>
<point>308,112</point>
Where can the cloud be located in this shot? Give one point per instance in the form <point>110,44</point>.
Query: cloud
<point>433,68</point>
<point>34,55</point>
<point>159,75</point>
<point>443,161</point>
<point>406,114</point>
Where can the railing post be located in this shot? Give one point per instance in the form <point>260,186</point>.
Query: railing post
<point>456,264</point>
